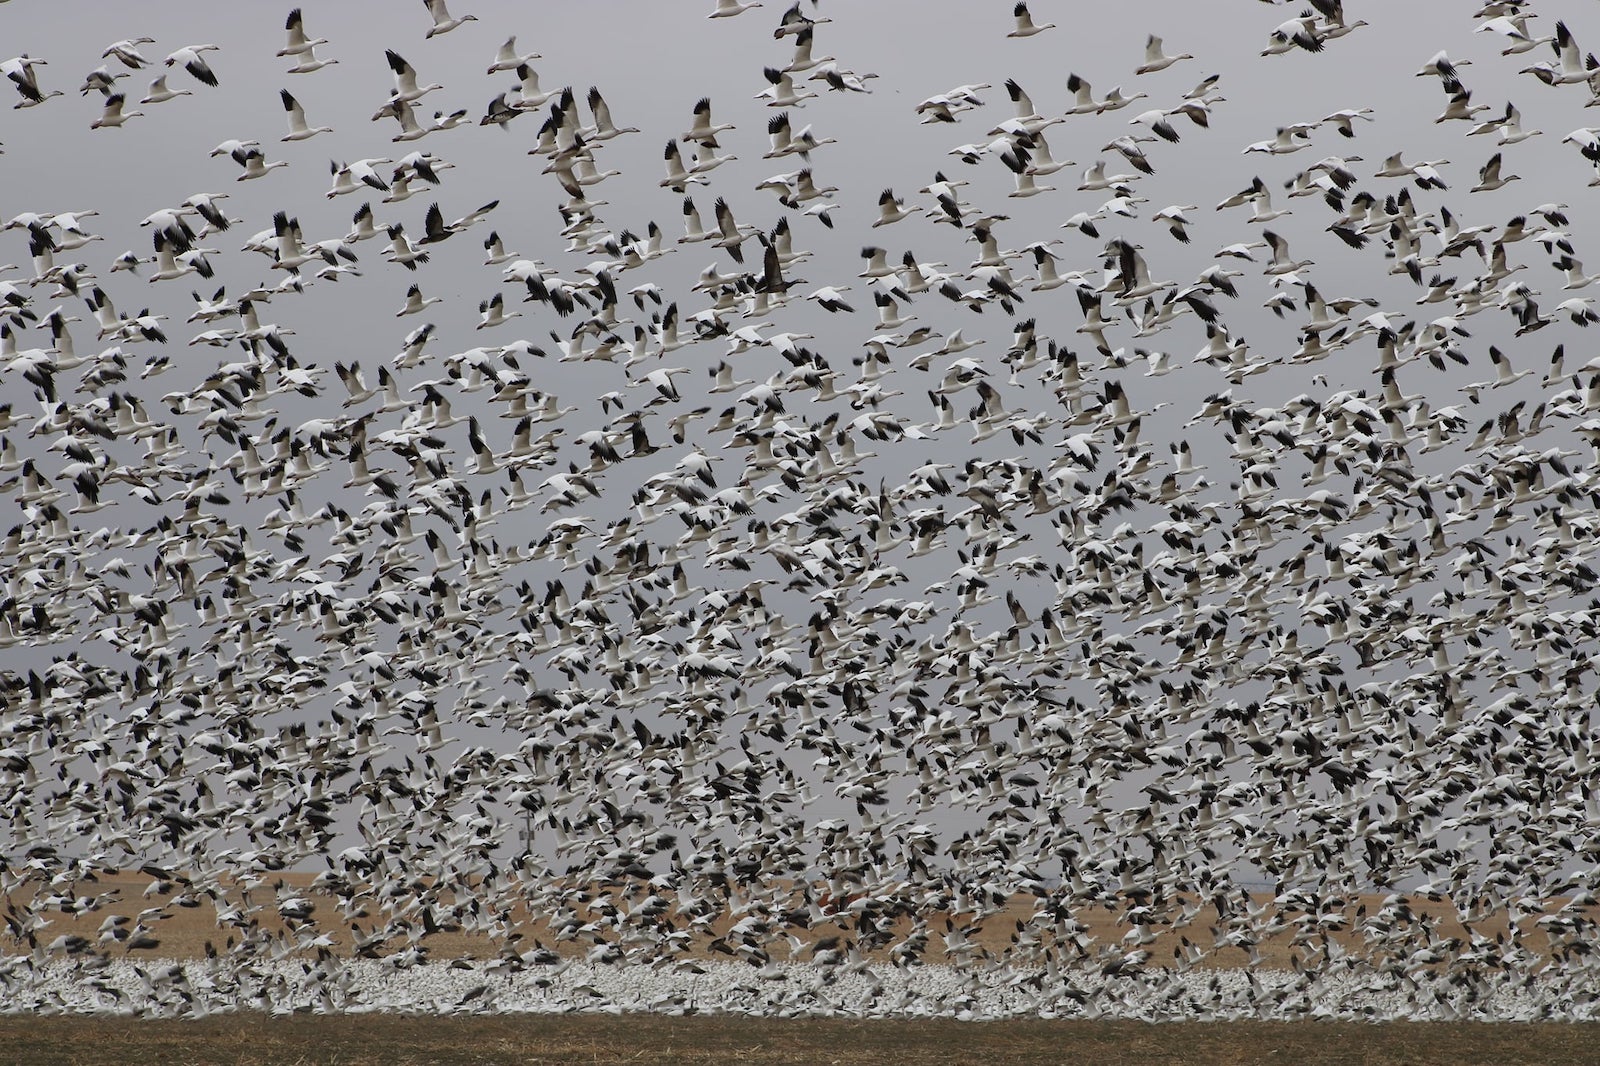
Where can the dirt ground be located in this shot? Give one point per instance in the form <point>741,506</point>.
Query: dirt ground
<point>249,1040</point>
<point>184,932</point>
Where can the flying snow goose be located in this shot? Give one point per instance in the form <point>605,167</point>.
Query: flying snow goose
<point>1025,26</point>
<point>1155,59</point>
<point>442,22</point>
<point>508,58</point>
<point>405,79</point>
<point>20,71</point>
<point>194,62</point>
<point>726,9</point>
<point>128,52</point>
<point>298,129</point>
<point>159,93</point>
<point>299,44</point>
<point>113,115</point>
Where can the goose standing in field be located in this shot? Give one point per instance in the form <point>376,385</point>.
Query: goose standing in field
<point>296,115</point>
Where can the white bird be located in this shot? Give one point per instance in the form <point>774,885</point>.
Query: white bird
<point>308,63</point>
<point>127,52</point>
<point>1025,26</point>
<point>405,79</point>
<point>416,302</point>
<point>298,129</point>
<point>159,93</point>
<point>508,58</point>
<point>113,115</point>
<point>442,22</point>
<point>728,8</point>
<point>493,312</point>
<point>1155,59</point>
<point>299,44</point>
<point>194,62</point>
<point>22,75</point>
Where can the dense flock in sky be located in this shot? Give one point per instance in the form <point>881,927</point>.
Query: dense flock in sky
<point>865,493</point>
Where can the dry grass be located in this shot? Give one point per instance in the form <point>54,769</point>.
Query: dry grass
<point>391,1040</point>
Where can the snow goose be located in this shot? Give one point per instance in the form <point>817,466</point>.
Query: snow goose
<point>298,129</point>
<point>1026,186</point>
<point>493,312</point>
<point>1490,178</point>
<point>731,233</point>
<point>678,178</point>
<point>829,298</point>
<point>20,71</point>
<point>442,22</point>
<point>1344,120</point>
<point>1299,32</point>
<point>299,44</point>
<point>841,80</point>
<point>308,63</point>
<point>1514,28</point>
<point>402,250</point>
<point>1441,66</point>
<point>1570,70</point>
<point>1177,222</point>
<point>507,58</point>
<point>100,78</point>
<point>726,9</point>
<point>703,128</point>
<point>113,115</point>
<point>193,61</point>
<point>1025,26</point>
<point>416,303</point>
<point>1156,121</point>
<point>405,79</point>
<point>159,93</point>
<point>410,129</point>
<point>1461,108</point>
<point>794,20</point>
<point>891,209</point>
<point>802,59</point>
<point>706,158</point>
<point>603,129</point>
<point>1155,59</point>
<point>782,91</point>
<point>127,52</point>
<point>1288,139</point>
<point>1425,174</point>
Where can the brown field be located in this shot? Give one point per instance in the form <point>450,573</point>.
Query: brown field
<point>185,932</point>
<point>251,1040</point>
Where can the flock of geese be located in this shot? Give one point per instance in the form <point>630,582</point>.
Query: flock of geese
<point>709,608</point>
